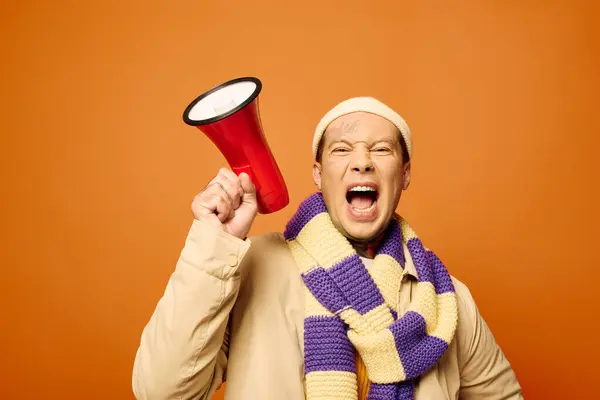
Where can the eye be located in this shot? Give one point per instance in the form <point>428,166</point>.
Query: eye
<point>340,150</point>
<point>381,150</point>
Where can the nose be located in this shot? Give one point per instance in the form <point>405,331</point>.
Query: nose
<point>362,162</point>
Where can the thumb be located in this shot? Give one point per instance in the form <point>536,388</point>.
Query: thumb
<point>249,189</point>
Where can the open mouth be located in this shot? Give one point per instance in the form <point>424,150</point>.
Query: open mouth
<point>362,199</point>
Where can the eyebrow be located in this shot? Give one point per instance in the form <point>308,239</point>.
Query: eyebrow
<point>388,141</point>
<point>339,141</point>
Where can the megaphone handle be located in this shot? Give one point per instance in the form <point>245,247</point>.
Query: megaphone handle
<point>247,169</point>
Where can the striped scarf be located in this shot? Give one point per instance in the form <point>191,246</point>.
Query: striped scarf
<point>350,307</point>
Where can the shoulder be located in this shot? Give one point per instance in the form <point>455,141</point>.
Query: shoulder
<point>267,244</point>
<point>267,239</point>
<point>267,252</point>
<point>269,278</point>
<point>468,316</point>
<point>466,302</point>
<point>467,308</point>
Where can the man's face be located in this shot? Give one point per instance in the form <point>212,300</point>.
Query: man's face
<point>361,174</point>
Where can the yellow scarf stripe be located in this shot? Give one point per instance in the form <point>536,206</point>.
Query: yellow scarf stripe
<point>303,259</point>
<point>407,232</point>
<point>387,274</point>
<point>447,307</point>
<point>375,320</point>
<point>430,305</point>
<point>380,356</point>
<point>327,250</point>
<point>325,385</point>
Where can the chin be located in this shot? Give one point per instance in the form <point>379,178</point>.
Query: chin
<point>363,232</point>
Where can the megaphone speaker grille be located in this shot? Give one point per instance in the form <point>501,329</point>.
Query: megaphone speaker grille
<point>222,101</point>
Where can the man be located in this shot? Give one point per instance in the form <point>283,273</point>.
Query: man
<point>347,303</point>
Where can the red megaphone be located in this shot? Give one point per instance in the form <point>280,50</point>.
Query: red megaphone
<point>228,114</point>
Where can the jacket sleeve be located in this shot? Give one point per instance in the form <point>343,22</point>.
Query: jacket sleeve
<point>485,373</point>
<point>183,348</point>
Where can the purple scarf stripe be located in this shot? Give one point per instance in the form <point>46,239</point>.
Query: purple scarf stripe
<point>324,289</point>
<point>417,350</point>
<point>400,391</point>
<point>443,280</point>
<point>326,347</point>
<point>392,244</point>
<point>439,277</point>
<point>417,252</point>
<point>309,208</point>
<point>406,391</point>
<point>352,277</point>
<point>382,391</point>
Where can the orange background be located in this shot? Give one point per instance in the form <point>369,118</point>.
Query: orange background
<point>99,170</point>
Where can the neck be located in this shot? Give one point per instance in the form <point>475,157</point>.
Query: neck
<point>367,248</point>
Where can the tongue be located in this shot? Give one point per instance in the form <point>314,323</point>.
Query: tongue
<point>361,201</point>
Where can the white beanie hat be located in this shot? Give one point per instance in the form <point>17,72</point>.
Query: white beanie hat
<point>366,104</point>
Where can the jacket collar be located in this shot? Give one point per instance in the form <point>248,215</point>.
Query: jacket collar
<point>409,265</point>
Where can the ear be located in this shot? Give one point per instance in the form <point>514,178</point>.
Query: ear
<point>406,175</point>
<point>317,174</point>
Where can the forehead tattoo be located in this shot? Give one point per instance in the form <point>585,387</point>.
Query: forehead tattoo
<point>347,127</point>
<point>350,127</point>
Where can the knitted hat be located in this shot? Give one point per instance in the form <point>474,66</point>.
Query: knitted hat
<point>366,104</point>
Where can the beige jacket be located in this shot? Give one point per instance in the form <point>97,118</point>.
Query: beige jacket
<point>234,309</point>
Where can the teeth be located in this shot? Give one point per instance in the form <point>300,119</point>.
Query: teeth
<point>362,189</point>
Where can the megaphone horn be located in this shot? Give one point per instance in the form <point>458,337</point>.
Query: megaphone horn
<point>229,115</point>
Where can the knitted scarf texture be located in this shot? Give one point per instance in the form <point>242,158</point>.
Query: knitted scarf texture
<point>351,308</point>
